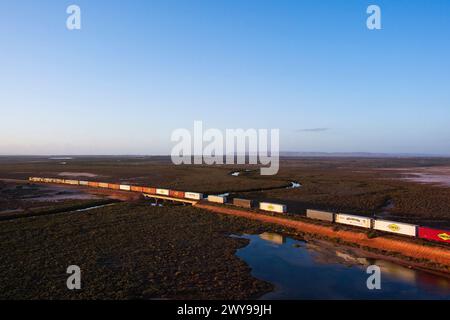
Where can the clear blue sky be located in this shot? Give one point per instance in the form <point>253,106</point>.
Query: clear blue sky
<point>140,69</point>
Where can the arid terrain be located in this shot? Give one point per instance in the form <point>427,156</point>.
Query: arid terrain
<point>126,251</point>
<point>379,187</point>
<point>135,250</point>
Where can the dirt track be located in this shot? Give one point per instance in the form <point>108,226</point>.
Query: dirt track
<point>417,251</point>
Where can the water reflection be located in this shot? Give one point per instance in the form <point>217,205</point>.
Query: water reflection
<point>322,270</point>
<point>272,237</point>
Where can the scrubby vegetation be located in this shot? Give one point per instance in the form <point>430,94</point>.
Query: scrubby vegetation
<point>128,251</point>
<point>353,185</point>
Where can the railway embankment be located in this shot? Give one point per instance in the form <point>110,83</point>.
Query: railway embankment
<point>435,257</point>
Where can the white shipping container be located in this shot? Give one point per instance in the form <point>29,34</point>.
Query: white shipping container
<point>193,195</point>
<point>352,220</point>
<point>395,227</point>
<point>84,183</point>
<point>273,207</point>
<point>125,187</point>
<point>217,199</point>
<point>103,185</point>
<point>163,192</point>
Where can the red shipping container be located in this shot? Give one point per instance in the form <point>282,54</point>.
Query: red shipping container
<point>137,189</point>
<point>149,190</point>
<point>176,194</point>
<point>114,186</point>
<point>434,234</point>
<point>93,184</point>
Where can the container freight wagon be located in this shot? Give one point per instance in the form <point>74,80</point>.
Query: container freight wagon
<point>273,207</point>
<point>193,195</point>
<point>125,187</point>
<point>176,194</point>
<point>434,234</point>
<point>103,185</point>
<point>93,184</point>
<point>113,186</point>
<point>217,199</point>
<point>137,189</point>
<point>71,182</point>
<point>84,183</point>
<point>320,215</point>
<point>149,190</point>
<point>353,220</point>
<point>163,192</point>
<point>245,203</point>
<point>395,227</point>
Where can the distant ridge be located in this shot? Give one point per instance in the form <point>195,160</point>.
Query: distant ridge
<point>360,154</point>
<point>282,154</point>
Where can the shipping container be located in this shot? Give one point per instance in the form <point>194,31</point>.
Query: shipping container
<point>395,227</point>
<point>320,215</point>
<point>59,180</point>
<point>103,185</point>
<point>353,220</point>
<point>245,203</point>
<point>113,186</point>
<point>149,190</point>
<point>176,194</point>
<point>125,187</point>
<point>137,189</point>
<point>71,182</point>
<point>84,183</point>
<point>163,192</point>
<point>273,207</point>
<point>193,195</point>
<point>217,199</point>
<point>434,234</point>
<point>93,184</point>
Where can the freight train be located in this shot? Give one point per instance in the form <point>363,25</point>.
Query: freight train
<point>123,187</point>
<point>399,228</point>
